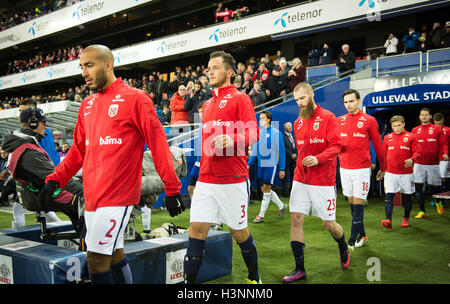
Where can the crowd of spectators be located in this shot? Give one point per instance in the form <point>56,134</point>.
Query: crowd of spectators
<point>224,14</point>
<point>423,40</point>
<point>43,60</point>
<point>41,9</point>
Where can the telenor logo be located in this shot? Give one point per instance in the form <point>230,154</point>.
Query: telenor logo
<point>281,20</point>
<point>216,37</point>
<point>77,12</point>
<point>299,16</point>
<point>161,47</point>
<point>32,29</point>
<point>370,2</point>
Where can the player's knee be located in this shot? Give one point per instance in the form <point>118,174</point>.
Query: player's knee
<point>98,263</point>
<point>198,230</point>
<point>329,225</point>
<point>296,219</point>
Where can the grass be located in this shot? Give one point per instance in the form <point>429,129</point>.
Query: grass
<point>415,255</point>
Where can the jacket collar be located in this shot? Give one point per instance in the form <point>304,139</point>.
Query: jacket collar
<point>113,86</point>
<point>223,91</point>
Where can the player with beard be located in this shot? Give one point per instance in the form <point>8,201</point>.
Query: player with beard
<point>112,127</point>
<point>318,143</point>
<point>222,191</point>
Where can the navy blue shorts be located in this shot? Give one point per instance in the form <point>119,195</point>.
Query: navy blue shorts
<point>267,175</point>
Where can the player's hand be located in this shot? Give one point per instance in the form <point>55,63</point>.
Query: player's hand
<point>282,174</point>
<point>445,156</point>
<point>310,161</point>
<point>408,163</point>
<point>380,175</point>
<point>222,141</point>
<point>46,195</point>
<point>174,205</point>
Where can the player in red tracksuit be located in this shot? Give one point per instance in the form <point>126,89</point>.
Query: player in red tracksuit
<point>357,130</point>
<point>318,143</point>
<point>221,193</point>
<point>432,141</point>
<point>108,144</point>
<point>402,150</point>
<point>444,167</point>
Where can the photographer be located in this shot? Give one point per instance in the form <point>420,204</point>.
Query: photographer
<point>29,165</point>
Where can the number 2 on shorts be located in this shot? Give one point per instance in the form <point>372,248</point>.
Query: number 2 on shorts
<point>108,234</point>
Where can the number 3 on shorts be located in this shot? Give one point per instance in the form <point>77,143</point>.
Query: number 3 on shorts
<point>243,211</point>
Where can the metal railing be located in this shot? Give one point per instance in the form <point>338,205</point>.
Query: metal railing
<point>431,52</point>
<point>379,73</point>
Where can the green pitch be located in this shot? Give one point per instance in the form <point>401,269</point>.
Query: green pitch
<point>418,254</point>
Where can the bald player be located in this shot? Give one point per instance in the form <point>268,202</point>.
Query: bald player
<point>112,127</point>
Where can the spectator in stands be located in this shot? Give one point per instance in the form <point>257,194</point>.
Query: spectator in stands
<point>261,74</point>
<point>325,54</point>
<point>435,36</point>
<point>423,44</point>
<point>313,56</point>
<point>179,114</point>
<point>346,61</point>
<point>166,115</point>
<point>64,150</point>
<point>297,73</point>
<point>173,85</point>
<point>206,86</point>
<point>161,86</point>
<point>193,100</point>
<point>247,83</point>
<point>446,39</point>
<point>257,94</point>
<point>277,84</point>
<point>410,40</point>
<point>218,10</point>
<point>284,68</point>
<point>391,45</point>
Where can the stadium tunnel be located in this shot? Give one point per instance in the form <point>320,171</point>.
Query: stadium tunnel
<point>407,101</point>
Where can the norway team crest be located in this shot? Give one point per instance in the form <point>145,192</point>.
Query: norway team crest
<point>360,124</point>
<point>113,109</point>
<point>316,126</point>
<point>222,104</point>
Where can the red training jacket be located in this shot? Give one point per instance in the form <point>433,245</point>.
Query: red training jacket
<point>319,137</point>
<point>446,131</point>
<point>432,141</point>
<point>230,112</point>
<point>398,148</point>
<point>356,132</point>
<point>179,114</point>
<point>108,144</point>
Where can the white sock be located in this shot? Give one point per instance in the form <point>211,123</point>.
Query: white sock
<point>264,204</point>
<point>274,197</point>
<point>52,217</point>
<point>18,216</point>
<point>146,217</point>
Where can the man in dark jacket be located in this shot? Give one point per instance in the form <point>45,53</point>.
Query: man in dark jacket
<point>346,61</point>
<point>193,100</point>
<point>277,84</point>
<point>29,165</point>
